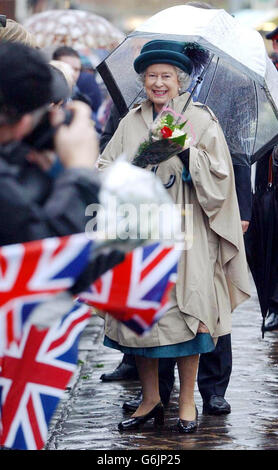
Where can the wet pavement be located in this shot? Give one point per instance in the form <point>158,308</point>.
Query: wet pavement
<point>87,417</point>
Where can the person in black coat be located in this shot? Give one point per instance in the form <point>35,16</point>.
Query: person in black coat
<point>266,174</point>
<point>271,321</point>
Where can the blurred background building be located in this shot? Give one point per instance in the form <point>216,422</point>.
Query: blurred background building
<point>128,14</point>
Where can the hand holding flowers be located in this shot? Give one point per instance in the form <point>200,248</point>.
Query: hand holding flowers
<point>167,137</point>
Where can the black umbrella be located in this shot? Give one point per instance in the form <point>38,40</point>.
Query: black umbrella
<point>261,239</point>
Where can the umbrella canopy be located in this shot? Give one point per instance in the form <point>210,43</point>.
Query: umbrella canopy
<point>240,84</point>
<point>74,28</point>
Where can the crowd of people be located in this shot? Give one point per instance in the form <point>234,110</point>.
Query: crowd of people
<point>45,191</point>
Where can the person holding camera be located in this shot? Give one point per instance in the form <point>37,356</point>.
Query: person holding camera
<point>82,84</point>
<point>36,203</point>
<point>32,204</point>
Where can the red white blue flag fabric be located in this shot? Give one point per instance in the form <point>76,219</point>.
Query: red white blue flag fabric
<point>35,372</point>
<point>37,364</point>
<point>32,272</point>
<point>136,292</point>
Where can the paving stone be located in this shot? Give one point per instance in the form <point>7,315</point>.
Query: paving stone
<point>88,415</point>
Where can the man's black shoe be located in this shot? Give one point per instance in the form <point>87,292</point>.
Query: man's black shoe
<point>122,372</point>
<point>216,406</point>
<point>271,322</point>
<point>133,404</point>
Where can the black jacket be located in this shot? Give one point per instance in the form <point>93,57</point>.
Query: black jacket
<point>244,190</point>
<point>34,206</point>
<point>110,127</point>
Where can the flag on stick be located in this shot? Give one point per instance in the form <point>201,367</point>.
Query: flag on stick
<point>136,292</point>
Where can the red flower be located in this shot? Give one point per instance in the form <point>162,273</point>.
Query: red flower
<point>166,132</point>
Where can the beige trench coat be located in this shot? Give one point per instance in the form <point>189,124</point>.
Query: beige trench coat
<point>212,275</point>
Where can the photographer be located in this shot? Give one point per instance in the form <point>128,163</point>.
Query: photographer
<point>35,204</point>
<point>40,206</point>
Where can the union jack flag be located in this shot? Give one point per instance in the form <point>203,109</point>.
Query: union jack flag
<point>31,272</point>
<point>136,292</point>
<point>35,373</point>
<point>37,364</point>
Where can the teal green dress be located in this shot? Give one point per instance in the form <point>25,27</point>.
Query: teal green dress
<point>202,343</point>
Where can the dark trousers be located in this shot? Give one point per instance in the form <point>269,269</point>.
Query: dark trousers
<point>213,375</point>
<point>215,369</point>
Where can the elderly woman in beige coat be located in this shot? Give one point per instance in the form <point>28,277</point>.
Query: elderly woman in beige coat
<point>212,275</point>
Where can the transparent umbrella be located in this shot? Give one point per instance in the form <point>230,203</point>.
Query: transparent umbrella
<point>240,84</point>
<point>75,28</point>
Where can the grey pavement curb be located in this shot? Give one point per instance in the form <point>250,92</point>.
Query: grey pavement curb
<point>90,340</point>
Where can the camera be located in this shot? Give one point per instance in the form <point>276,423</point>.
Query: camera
<point>3,21</point>
<point>42,137</point>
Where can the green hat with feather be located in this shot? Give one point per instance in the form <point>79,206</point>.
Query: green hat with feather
<point>185,55</point>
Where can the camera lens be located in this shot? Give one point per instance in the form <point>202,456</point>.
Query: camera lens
<point>3,21</point>
<point>42,137</point>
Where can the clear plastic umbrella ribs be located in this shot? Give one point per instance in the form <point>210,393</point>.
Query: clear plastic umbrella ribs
<point>240,84</point>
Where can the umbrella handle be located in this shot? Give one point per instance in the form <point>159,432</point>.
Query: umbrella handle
<point>263,325</point>
<point>198,81</point>
<point>270,172</point>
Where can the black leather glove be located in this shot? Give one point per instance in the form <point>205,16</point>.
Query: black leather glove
<point>184,156</point>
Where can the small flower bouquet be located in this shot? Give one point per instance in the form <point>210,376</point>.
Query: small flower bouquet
<point>167,137</point>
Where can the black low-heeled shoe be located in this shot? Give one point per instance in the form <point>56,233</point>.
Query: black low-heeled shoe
<point>135,423</point>
<point>187,427</point>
